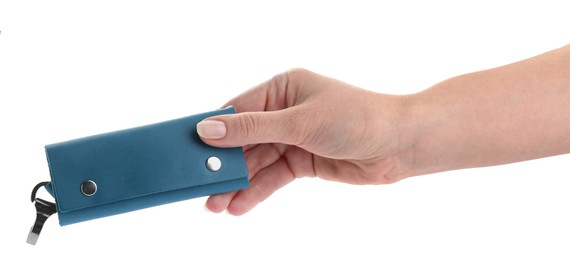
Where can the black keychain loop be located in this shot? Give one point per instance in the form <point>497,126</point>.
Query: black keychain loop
<point>36,188</point>
<point>44,209</point>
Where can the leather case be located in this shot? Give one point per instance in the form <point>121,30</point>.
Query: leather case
<point>132,169</point>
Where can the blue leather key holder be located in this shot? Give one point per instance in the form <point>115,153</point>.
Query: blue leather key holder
<point>132,169</point>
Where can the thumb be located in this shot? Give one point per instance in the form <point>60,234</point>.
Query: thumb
<point>247,128</point>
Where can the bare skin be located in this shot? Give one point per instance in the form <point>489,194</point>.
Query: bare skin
<point>301,124</point>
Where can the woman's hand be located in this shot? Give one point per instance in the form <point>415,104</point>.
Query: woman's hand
<point>301,124</point>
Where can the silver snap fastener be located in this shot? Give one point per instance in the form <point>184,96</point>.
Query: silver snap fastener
<point>88,188</point>
<point>213,164</point>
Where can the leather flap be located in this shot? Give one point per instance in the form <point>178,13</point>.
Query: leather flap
<point>138,162</point>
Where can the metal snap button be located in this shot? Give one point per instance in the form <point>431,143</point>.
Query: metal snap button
<point>213,164</point>
<point>88,188</point>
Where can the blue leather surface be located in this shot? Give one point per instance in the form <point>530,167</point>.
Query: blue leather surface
<point>139,168</point>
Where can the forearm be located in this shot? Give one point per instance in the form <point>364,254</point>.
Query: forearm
<point>512,113</point>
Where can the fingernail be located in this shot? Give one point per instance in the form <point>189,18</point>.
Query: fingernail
<point>206,208</point>
<point>211,129</point>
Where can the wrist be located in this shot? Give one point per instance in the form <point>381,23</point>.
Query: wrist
<point>398,136</point>
<point>413,125</point>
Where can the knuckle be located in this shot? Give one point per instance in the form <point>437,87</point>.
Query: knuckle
<point>296,74</point>
<point>247,125</point>
<point>298,126</point>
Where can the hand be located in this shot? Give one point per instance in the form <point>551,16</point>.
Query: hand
<point>301,124</point>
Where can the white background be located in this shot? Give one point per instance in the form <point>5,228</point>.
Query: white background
<point>74,68</point>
